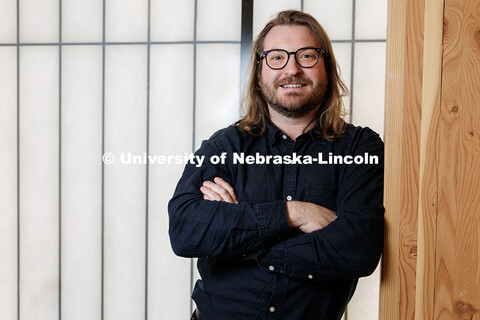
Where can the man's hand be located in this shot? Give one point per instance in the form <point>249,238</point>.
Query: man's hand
<point>218,191</point>
<point>308,217</point>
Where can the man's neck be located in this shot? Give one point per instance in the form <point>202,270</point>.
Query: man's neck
<point>293,127</point>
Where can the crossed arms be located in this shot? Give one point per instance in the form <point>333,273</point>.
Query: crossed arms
<point>306,216</point>
<point>302,239</point>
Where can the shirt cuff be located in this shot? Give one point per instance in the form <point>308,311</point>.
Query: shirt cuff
<point>272,220</point>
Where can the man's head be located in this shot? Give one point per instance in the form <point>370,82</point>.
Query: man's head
<point>294,90</point>
<point>292,79</point>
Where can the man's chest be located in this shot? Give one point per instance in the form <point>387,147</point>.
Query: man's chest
<point>302,174</point>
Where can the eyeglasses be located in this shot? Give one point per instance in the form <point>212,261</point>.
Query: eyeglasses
<point>277,59</point>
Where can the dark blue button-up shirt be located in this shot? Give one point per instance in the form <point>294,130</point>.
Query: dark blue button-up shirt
<point>296,275</point>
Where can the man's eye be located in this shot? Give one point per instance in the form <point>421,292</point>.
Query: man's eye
<point>276,58</point>
<point>307,56</point>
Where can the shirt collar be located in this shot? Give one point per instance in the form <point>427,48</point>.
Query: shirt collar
<point>274,133</point>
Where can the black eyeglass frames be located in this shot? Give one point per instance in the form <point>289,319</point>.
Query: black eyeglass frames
<point>277,59</point>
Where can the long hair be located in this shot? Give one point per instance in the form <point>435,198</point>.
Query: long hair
<point>331,112</point>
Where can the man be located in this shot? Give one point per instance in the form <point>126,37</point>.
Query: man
<point>286,234</point>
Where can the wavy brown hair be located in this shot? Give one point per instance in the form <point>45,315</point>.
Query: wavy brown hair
<point>330,114</point>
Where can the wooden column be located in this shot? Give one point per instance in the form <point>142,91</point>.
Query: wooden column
<point>432,176</point>
<point>402,156</point>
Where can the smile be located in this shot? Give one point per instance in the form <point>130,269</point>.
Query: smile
<point>293,85</point>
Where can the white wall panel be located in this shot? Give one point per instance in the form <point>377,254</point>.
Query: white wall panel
<point>82,21</point>
<point>334,16</point>
<point>172,20</point>
<point>365,303</point>
<point>39,187</point>
<point>371,19</point>
<point>219,20</point>
<point>218,88</point>
<point>125,183</point>
<point>126,20</point>
<point>263,11</point>
<point>173,126</point>
<point>369,85</point>
<point>81,182</point>
<point>39,21</point>
<point>171,119</point>
<point>8,182</point>
<point>343,54</point>
<point>8,21</point>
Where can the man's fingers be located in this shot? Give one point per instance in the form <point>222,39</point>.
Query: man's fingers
<point>224,184</point>
<point>219,191</point>
<point>210,194</point>
<point>205,197</point>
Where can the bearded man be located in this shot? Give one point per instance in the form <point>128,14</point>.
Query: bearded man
<point>287,239</point>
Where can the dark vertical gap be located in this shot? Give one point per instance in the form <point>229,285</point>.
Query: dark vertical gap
<point>103,169</point>
<point>352,65</point>
<point>147,165</point>
<point>18,159</point>
<point>192,265</point>
<point>60,161</point>
<point>246,40</point>
<point>301,5</point>
<point>194,73</point>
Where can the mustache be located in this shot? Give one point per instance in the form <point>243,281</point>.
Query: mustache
<point>288,80</point>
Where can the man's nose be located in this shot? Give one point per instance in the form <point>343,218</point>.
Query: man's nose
<point>292,66</point>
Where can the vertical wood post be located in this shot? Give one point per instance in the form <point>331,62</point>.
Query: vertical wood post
<point>432,173</point>
<point>402,156</point>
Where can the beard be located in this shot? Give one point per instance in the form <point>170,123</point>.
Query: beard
<point>293,105</point>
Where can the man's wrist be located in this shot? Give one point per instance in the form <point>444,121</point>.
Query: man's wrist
<point>292,213</point>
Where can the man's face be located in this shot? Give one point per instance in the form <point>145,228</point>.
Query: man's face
<point>309,84</point>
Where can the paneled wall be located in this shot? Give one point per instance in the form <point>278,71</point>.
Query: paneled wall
<point>82,238</point>
<point>432,161</point>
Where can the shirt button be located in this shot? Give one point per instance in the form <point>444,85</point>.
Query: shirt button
<point>289,198</point>
<point>272,309</point>
<point>271,268</point>
<point>284,136</point>
<point>310,277</point>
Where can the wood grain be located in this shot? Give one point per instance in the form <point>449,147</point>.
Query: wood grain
<point>428,190</point>
<point>402,140</point>
<point>389,289</point>
<point>438,175</point>
<point>457,279</point>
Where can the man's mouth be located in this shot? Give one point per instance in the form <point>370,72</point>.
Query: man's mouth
<point>293,85</point>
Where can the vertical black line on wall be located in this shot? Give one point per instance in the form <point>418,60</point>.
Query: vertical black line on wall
<point>301,5</point>
<point>147,173</point>
<point>246,40</point>
<point>192,265</point>
<point>352,63</point>
<point>102,287</point>
<point>60,160</point>
<point>194,72</point>
<point>18,159</point>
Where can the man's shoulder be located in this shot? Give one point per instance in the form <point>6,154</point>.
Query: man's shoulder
<point>354,133</point>
<point>230,136</point>
<point>230,131</point>
<point>359,138</point>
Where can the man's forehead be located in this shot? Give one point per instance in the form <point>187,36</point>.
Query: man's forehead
<point>290,37</point>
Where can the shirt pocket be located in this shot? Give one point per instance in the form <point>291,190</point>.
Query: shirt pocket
<point>325,196</point>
